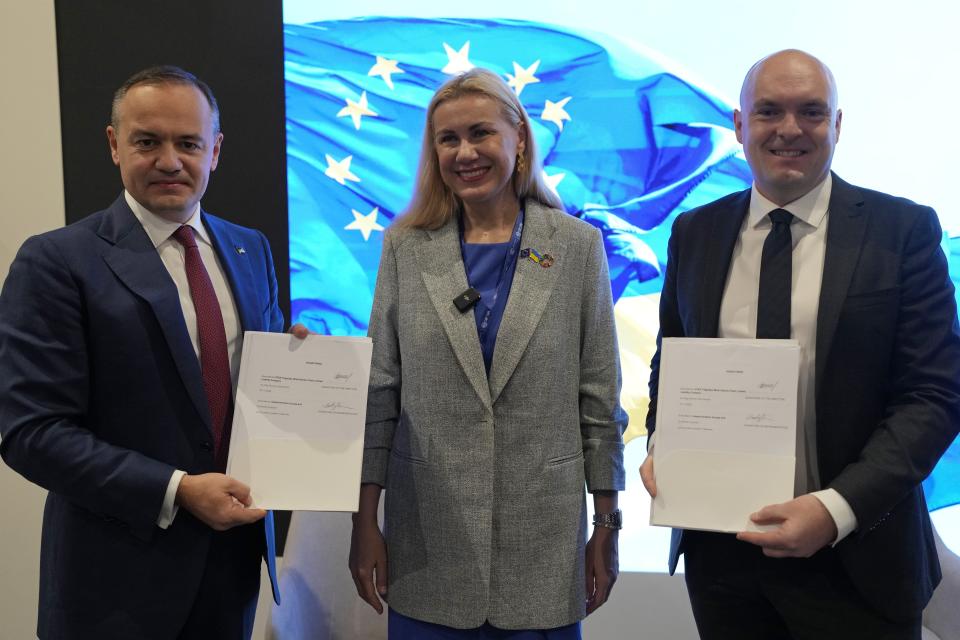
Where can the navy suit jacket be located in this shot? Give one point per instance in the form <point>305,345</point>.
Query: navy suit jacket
<point>101,399</point>
<point>887,370</point>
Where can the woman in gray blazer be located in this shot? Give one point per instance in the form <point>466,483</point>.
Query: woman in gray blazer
<point>494,392</point>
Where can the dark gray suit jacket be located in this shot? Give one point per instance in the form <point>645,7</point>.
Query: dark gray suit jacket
<point>887,370</point>
<point>485,508</point>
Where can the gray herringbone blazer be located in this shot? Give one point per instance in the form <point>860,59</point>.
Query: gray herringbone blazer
<point>485,506</point>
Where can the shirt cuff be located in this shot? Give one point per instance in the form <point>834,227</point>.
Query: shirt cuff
<point>839,509</point>
<point>651,440</point>
<point>169,509</point>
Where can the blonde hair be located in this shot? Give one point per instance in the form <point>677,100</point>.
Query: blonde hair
<point>433,204</point>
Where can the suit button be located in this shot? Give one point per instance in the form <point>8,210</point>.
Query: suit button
<point>206,445</point>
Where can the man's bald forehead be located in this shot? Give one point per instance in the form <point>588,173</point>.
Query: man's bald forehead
<point>792,55</point>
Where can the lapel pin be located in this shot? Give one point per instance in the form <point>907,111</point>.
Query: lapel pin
<point>240,250</point>
<point>546,260</point>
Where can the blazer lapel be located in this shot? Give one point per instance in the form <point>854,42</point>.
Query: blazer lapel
<point>135,261</point>
<point>529,293</point>
<point>234,257</point>
<point>716,263</point>
<point>846,227</point>
<point>441,265</point>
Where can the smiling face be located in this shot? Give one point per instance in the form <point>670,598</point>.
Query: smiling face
<point>165,146</point>
<point>790,124</point>
<point>477,149</point>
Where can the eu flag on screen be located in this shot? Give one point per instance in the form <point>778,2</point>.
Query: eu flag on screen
<point>625,142</point>
<point>942,488</point>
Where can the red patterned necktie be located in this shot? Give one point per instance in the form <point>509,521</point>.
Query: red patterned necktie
<point>214,361</point>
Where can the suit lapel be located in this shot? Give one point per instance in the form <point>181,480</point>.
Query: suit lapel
<point>846,227</point>
<point>234,257</point>
<point>135,261</point>
<point>529,293</point>
<point>441,265</point>
<point>716,265</point>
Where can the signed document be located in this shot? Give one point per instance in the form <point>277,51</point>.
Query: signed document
<point>726,431</point>
<point>298,421</point>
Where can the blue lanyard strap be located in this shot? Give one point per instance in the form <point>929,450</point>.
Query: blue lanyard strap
<point>507,261</point>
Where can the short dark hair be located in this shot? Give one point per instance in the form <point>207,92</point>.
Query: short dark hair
<point>165,74</point>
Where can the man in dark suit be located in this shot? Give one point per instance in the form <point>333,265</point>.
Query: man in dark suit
<point>119,349</point>
<point>869,299</point>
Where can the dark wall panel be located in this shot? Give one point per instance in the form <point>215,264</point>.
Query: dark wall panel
<point>236,47</point>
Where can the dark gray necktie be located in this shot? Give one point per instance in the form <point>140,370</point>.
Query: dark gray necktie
<point>776,265</point>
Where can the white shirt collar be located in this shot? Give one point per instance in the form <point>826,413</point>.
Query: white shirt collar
<point>158,228</point>
<point>810,208</point>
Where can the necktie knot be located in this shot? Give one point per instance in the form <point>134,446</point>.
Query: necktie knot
<point>781,216</point>
<point>184,235</point>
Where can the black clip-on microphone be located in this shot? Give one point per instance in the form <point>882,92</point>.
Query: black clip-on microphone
<point>466,299</point>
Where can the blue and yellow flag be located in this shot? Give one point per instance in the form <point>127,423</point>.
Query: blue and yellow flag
<point>627,143</point>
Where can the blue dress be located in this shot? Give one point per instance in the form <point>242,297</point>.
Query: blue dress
<point>400,627</point>
<point>486,265</point>
<point>490,269</point>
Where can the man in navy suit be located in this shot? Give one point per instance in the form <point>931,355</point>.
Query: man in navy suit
<point>120,344</point>
<point>872,306</point>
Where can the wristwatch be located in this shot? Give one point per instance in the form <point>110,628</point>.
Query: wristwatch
<point>612,520</point>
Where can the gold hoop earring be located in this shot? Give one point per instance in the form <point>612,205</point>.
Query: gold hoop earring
<point>521,165</point>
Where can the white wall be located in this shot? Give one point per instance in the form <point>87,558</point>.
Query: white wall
<point>31,201</point>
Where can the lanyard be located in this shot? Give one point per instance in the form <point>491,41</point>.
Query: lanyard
<point>508,259</point>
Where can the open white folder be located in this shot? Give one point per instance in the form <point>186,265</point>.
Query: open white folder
<point>726,431</point>
<point>298,421</point>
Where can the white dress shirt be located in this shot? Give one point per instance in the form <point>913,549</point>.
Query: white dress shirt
<point>160,231</point>
<point>738,319</point>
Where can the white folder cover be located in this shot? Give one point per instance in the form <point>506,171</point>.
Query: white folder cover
<point>726,431</point>
<point>298,423</point>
